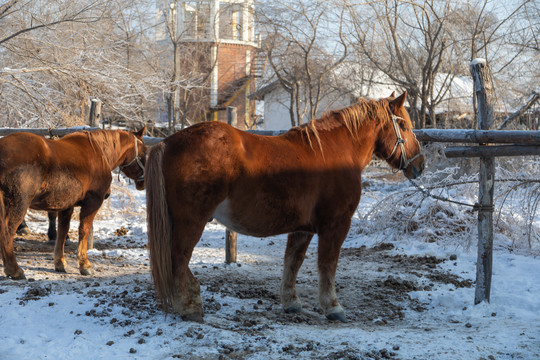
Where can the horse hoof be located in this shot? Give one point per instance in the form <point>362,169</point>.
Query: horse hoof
<point>337,316</point>
<point>87,271</point>
<point>60,269</point>
<point>294,308</point>
<point>19,275</point>
<point>193,317</point>
<point>23,231</point>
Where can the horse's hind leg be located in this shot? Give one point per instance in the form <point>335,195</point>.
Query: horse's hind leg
<point>297,244</point>
<point>86,220</point>
<point>331,238</point>
<point>187,293</point>
<point>64,219</point>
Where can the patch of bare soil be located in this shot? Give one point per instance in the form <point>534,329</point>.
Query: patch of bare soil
<point>373,285</point>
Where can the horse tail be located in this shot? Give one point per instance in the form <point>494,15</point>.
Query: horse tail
<point>3,225</point>
<point>159,227</point>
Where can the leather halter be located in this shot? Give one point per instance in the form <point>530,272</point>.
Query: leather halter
<point>137,159</point>
<point>404,161</point>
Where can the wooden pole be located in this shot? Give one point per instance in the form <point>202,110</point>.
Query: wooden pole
<point>230,236</point>
<point>95,113</point>
<point>483,88</point>
<point>94,119</point>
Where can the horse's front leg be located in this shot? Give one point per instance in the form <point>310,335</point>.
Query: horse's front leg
<point>297,244</point>
<point>88,212</point>
<point>64,218</point>
<point>11,268</point>
<point>13,215</point>
<point>331,238</point>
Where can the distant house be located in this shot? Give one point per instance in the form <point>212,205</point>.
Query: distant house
<point>354,82</point>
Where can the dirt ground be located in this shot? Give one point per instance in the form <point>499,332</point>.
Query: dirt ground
<point>373,286</point>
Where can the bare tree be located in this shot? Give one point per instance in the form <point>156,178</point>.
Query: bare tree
<point>304,43</point>
<point>423,45</point>
<point>503,35</point>
<point>87,49</point>
<point>409,43</point>
<point>33,17</point>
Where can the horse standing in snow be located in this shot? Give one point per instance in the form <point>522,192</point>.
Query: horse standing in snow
<point>304,182</point>
<point>57,175</point>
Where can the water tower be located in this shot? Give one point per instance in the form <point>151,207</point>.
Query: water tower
<point>217,39</point>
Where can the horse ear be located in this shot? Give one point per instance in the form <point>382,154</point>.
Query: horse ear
<point>141,132</point>
<point>398,102</point>
<point>393,95</point>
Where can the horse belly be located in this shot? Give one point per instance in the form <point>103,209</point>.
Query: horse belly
<point>63,193</point>
<point>224,215</point>
<point>259,221</point>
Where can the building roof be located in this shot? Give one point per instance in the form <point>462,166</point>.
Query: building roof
<point>260,93</point>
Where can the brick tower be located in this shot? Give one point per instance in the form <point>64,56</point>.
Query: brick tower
<point>217,41</point>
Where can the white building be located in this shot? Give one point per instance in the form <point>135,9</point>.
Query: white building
<point>354,82</point>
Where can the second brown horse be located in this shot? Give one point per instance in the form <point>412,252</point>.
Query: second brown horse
<point>57,175</point>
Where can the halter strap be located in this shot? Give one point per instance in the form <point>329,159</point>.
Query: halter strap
<point>404,161</point>
<point>137,159</point>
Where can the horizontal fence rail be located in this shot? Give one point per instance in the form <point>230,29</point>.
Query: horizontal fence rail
<point>427,135</point>
<point>491,151</point>
<point>479,136</point>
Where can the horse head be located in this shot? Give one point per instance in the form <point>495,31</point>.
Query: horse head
<point>397,142</point>
<point>134,164</point>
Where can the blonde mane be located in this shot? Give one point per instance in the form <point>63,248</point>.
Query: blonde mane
<point>352,117</point>
<point>106,143</point>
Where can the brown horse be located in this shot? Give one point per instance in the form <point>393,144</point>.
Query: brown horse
<point>304,182</point>
<point>57,175</point>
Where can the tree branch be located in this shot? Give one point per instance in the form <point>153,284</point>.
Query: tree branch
<point>532,100</point>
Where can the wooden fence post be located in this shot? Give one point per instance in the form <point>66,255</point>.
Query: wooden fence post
<point>93,121</point>
<point>230,236</point>
<point>483,89</point>
<point>95,113</point>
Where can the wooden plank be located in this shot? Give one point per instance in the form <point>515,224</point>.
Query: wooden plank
<point>60,132</point>
<point>45,132</point>
<point>479,136</point>
<point>491,151</point>
<point>427,135</point>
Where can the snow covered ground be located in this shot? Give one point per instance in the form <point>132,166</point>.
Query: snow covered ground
<point>406,298</point>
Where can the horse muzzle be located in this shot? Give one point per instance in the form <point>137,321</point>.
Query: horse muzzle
<point>139,183</point>
<point>415,168</point>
